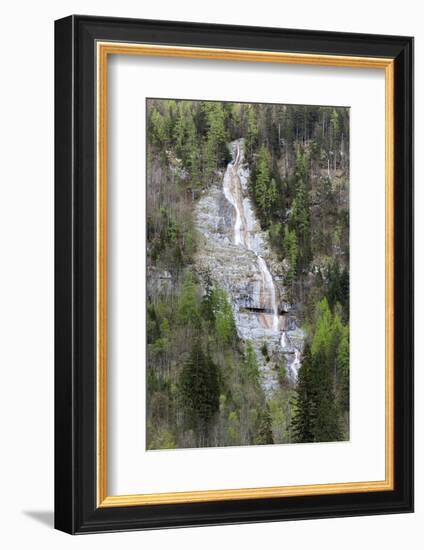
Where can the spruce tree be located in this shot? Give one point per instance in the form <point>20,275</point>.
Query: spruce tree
<point>303,421</point>
<point>215,149</point>
<point>251,369</point>
<point>291,252</point>
<point>262,182</point>
<point>326,425</point>
<point>265,436</point>
<point>252,133</point>
<point>199,386</point>
<point>343,370</point>
<point>188,304</point>
<point>300,215</point>
<point>179,129</point>
<point>207,306</point>
<point>157,132</point>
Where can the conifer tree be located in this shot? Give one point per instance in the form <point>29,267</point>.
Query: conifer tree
<point>265,436</point>
<point>251,365</point>
<point>262,182</point>
<point>216,135</point>
<point>157,132</point>
<point>300,215</point>
<point>199,386</point>
<point>188,307</point>
<point>224,320</point>
<point>252,132</point>
<point>327,421</point>
<point>207,306</point>
<point>343,369</point>
<point>291,252</point>
<point>179,129</point>
<point>303,421</point>
<point>321,375</point>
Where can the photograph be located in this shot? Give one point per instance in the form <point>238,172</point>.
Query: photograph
<point>247,273</point>
<point>233,255</point>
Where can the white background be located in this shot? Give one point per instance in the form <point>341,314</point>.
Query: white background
<point>131,468</point>
<point>26,289</point>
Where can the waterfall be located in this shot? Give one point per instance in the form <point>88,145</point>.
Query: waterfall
<point>269,284</point>
<point>295,366</point>
<point>233,193</point>
<point>281,334</point>
<point>230,195</point>
<point>292,352</point>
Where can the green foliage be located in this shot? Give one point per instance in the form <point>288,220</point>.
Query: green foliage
<point>300,215</point>
<point>157,128</point>
<point>208,302</point>
<point>264,351</point>
<point>179,129</point>
<point>225,327</point>
<point>323,386</point>
<point>188,312</point>
<point>290,247</point>
<point>233,429</point>
<point>252,132</point>
<point>343,369</point>
<point>217,310</point>
<point>324,325</point>
<point>265,186</point>
<point>200,388</point>
<point>163,439</point>
<point>338,286</point>
<point>203,383</point>
<point>251,366</point>
<point>215,147</point>
<point>265,436</point>
<point>303,423</point>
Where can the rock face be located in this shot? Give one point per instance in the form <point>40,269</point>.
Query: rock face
<point>239,258</point>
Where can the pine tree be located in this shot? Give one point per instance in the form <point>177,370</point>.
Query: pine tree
<point>262,182</point>
<point>191,155</point>
<point>265,436</point>
<point>327,426</point>
<point>199,386</point>
<point>225,327</point>
<point>303,421</point>
<point>157,133</point>
<point>300,215</point>
<point>207,305</point>
<point>252,370</point>
<point>291,251</point>
<point>343,369</point>
<point>252,132</point>
<point>188,304</point>
<point>344,293</point>
<point>179,129</point>
<point>215,149</point>
<point>324,362</point>
<point>272,194</point>
<point>323,327</point>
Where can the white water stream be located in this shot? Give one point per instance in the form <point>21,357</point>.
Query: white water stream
<point>242,237</point>
<point>246,235</point>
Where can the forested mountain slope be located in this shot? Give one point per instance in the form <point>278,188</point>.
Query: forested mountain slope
<point>248,262</point>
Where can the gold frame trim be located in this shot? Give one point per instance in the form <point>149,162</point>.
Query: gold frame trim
<point>103,49</point>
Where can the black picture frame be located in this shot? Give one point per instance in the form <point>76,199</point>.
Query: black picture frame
<point>76,510</point>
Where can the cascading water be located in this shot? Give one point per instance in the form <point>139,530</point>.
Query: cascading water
<point>269,289</point>
<point>233,193</point>
<point>295,366</point>
<point>240,266</point>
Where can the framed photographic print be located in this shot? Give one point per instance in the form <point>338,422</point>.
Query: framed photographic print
<point>234,268</point>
